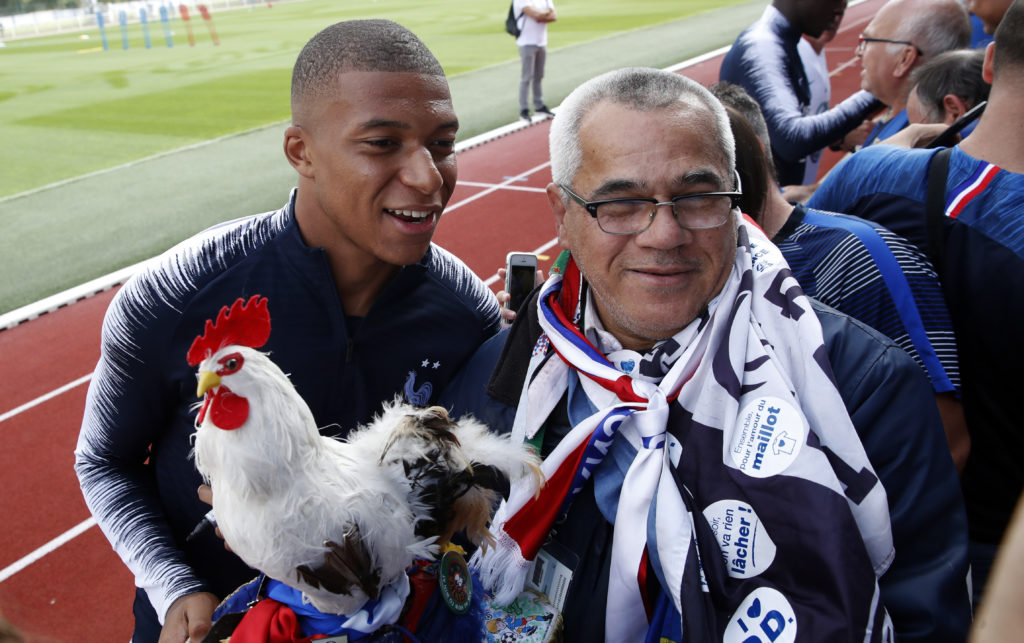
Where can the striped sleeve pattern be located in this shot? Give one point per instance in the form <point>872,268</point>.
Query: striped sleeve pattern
<point>131,401</point>
<point>905,303</point>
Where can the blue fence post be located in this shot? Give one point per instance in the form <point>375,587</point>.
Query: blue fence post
<point>103,30</point>
<point>145,27</point>
<point>123,18</point>
<point>165,22</point>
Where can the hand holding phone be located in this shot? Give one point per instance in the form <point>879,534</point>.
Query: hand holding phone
<point>520,277</point>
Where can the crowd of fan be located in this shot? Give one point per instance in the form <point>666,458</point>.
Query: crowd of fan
<point>935,187</point>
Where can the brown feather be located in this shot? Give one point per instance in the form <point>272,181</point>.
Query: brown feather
<point>344,566</point>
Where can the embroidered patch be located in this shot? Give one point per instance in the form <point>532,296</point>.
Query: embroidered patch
<point>420,396</point>
<point>455,582</point>
<point>746,547</point>
<point>768,436</point>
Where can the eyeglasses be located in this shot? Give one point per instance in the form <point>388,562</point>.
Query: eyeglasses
<point>700,211</point>
<point>863,40</point>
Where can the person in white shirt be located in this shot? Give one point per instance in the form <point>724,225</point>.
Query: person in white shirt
<point>533,18</point>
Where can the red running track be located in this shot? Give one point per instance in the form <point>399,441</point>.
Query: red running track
<point>59,578</point>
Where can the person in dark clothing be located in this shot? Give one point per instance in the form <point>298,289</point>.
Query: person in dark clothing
<point>668,372</point>
<point>765,61</point>
<point>365,308</point>
<point>976,242</point>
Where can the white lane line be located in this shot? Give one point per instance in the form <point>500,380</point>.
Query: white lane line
<point>42,398</point>
<point>49,547</point>
<point>504,185</point>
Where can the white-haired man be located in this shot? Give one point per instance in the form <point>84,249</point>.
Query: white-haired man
<point>677,384</point>
<point>901,36</point>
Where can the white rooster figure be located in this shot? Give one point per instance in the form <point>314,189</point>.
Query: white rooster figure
<point>337,520</point>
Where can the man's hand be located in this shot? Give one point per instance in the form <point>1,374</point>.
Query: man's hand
<point>189,618</point>
<point>507,314</point>
<point>206,495</point>
<point>856,137</point>
<point>799,193</point>
<point>916,135</point>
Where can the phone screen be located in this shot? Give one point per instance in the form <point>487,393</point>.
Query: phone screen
<point>519,283</point>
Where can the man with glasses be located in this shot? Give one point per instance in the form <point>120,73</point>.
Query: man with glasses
<point>901,36</point>
<point>698,445</point>
<point>765,61</point>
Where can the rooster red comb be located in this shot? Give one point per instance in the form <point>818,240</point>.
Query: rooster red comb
<point>246,323</point>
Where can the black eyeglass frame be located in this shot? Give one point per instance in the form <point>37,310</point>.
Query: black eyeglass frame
<point>863,40</point>
<point>591,208</point>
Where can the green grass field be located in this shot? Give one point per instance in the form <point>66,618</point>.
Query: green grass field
<point>70,111</point>
<point>68,107</point>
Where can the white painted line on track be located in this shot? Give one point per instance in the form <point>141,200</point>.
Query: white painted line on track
<point>504,186</point>
<point>507,184</point>
<point>42,398</point>
<point>49,547</point>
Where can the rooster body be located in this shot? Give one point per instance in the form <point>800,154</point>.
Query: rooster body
<point>338,520</point>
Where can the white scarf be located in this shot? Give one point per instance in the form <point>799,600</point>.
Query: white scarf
<point>752,373</point>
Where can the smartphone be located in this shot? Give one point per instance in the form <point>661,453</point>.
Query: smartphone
<point>520,276</point>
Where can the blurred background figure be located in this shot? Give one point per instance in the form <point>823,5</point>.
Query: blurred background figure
<point>766,62</point>
<point>977,246</point>
<point>533,51</point>
<point>902,36</point>
<point>989,12</point>
<point>812,56</point>
<point>947,87</point>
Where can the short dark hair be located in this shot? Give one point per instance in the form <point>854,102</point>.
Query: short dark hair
<point>358,45</point>
<point>751,164</point>
<point>956,72</point>
<point>1009,39</point>
<point>734,96</point>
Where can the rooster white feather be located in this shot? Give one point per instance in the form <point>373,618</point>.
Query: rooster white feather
<point>338,520</point>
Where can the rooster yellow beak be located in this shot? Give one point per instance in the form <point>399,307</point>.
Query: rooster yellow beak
<point>207,380</point>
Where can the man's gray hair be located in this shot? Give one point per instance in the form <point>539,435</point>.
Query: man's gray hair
<point>956,72</point>
<point>358,45</point>
<point>636,88</point>
<point>935,26</point>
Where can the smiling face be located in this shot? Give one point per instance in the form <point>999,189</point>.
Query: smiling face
<point>376,161</point>
<point>650,285</point>
<point>881,72</point>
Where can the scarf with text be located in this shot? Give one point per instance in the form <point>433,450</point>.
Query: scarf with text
<point>750,497</point>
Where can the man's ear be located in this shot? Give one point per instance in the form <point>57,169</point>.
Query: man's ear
<point>987,72</point>
<point>906,62</point>
<point>296,150</point>
<point>558,209</point>
<point>954,107</point>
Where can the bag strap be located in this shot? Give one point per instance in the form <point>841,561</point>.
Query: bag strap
<point>935,206</point>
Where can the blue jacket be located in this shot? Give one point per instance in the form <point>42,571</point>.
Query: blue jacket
<point>134,452</point>
<point>765,62</point>
<point>982,278</point>
<point>893,410</point>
